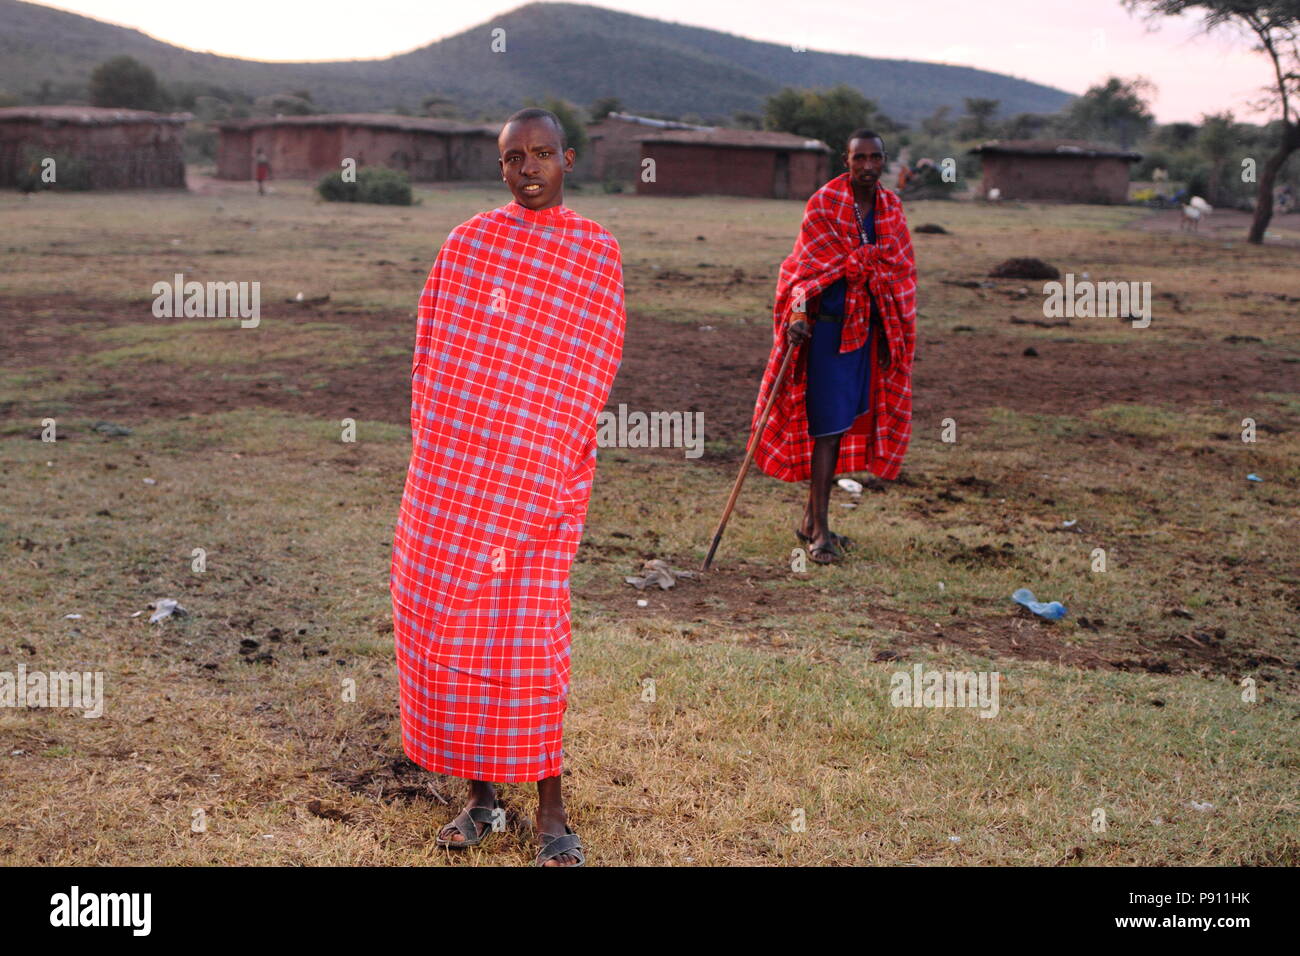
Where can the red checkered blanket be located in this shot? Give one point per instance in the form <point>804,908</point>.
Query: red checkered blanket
<point>830,247</point>
<point>520,335</point>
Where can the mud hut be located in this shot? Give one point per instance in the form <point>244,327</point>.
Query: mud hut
<point>1066,170</point>
<point>733,162</point>
<point>93,147</point>
<point>614,154</point>
<point>307,147</point>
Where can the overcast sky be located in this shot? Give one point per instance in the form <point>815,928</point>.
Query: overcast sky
<point>1070,44</point>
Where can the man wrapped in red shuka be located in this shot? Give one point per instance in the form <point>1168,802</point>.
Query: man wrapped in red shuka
<point>520,335</point>
<point>846,405</point>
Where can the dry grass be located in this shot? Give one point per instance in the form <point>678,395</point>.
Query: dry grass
<point>752,722</point>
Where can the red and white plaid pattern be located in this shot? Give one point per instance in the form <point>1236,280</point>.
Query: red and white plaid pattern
<point>519,338</point>
<point>830,246</point>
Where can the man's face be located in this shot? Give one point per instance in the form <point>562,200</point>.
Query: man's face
<point>532,164</point>
<point>865,159</point>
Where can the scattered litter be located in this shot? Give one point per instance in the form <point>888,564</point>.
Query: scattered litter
<point>954,839</point>
<point>1053,611</point>
<point>1201,807</point>
<point>150,481</point>
<point>73,617</point>
<point>1070,524</point>
<point>166,607</point>
<point>17,753</point>
<point>706,328</point>
<point>940,586</point>
<point>137,613</point>
<point>1253,477</point>
<point>658,572</point>
<point>642,602</point>
<point>110,428</point>
<point>851,486</point>
<point>1157,820</point>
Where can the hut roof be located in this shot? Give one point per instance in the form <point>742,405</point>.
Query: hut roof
<point>88,115</point>
<point>650,121</point>
<point>741,138</point>
<point>1054,147</point>
<point>374,120</point>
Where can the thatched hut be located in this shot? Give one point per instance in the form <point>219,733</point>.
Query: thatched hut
<point>108,148</point>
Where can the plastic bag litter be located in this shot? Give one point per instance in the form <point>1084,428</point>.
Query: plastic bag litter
<point>1201,807</point>
<point>1053,611</point>
<point>658,572</point>
<point>166,607</point>
<point>1253,477</point>
<point>849,485</point>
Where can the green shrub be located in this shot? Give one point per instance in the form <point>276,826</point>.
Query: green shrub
<point>374,184</point>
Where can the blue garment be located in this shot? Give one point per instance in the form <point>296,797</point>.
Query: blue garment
<point>839,383</point>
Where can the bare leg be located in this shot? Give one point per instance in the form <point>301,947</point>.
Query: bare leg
<point>816,522</point>
<point>550,816</point>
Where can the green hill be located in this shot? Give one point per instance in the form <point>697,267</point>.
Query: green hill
<point>576,52</point>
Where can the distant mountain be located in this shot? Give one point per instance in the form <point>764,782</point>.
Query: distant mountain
<point>579,53</point>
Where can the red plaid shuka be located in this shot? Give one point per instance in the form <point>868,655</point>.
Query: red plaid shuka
<point>520,335</point>
<point>830,246</point>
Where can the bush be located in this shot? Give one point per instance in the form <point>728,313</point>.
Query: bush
<point>374,184</point>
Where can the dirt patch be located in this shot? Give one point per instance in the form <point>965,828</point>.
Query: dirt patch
<point>1222,225</point>
<point>743,596</point>
<point>668,366</point>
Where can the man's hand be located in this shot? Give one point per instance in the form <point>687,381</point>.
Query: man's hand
<point>797,332</point>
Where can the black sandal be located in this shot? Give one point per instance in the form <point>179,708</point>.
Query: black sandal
<point>466,824</point>
<point>555,844</point>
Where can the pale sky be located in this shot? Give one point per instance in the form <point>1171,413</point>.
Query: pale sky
<point>1069,44</point>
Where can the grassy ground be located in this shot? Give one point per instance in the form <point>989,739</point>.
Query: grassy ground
<point>772,687</point>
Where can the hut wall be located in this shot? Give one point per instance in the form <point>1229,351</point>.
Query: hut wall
<point>117,155</point>
<point>691,170</point>
<point>1081,179</point>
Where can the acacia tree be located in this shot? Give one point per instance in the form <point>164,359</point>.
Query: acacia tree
<point>1276,28</point>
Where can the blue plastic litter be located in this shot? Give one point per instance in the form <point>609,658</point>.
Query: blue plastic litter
<point>1053,611</point>
<point>1253,477</point>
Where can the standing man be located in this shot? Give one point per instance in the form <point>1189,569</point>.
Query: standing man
<point>847,404</point>
<point>263,171</point>
<point>520,335</point>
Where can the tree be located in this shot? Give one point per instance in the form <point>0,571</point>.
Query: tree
<point>979,112</point>
<point>126,83</point>
<point>1116,111</point>
<point>575,131</point>
<point>828,115</point>
<point>604,106</point>
<point>1217,140</point>
<point>1276,27</point>
<point>439,106</point>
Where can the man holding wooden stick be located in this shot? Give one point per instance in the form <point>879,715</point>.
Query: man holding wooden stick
<point>846,404</point>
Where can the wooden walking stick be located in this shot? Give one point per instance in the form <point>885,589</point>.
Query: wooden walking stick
<point>749,454</point>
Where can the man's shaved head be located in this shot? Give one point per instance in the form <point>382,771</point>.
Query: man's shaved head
<point>537,113</point>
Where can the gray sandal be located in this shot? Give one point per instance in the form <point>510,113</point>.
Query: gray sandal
<point>554,845</point>
<point>465,823</point>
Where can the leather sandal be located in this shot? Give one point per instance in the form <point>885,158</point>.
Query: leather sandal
<point>843,542</point>
<point>465,822</point>
<point>554,844</point>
